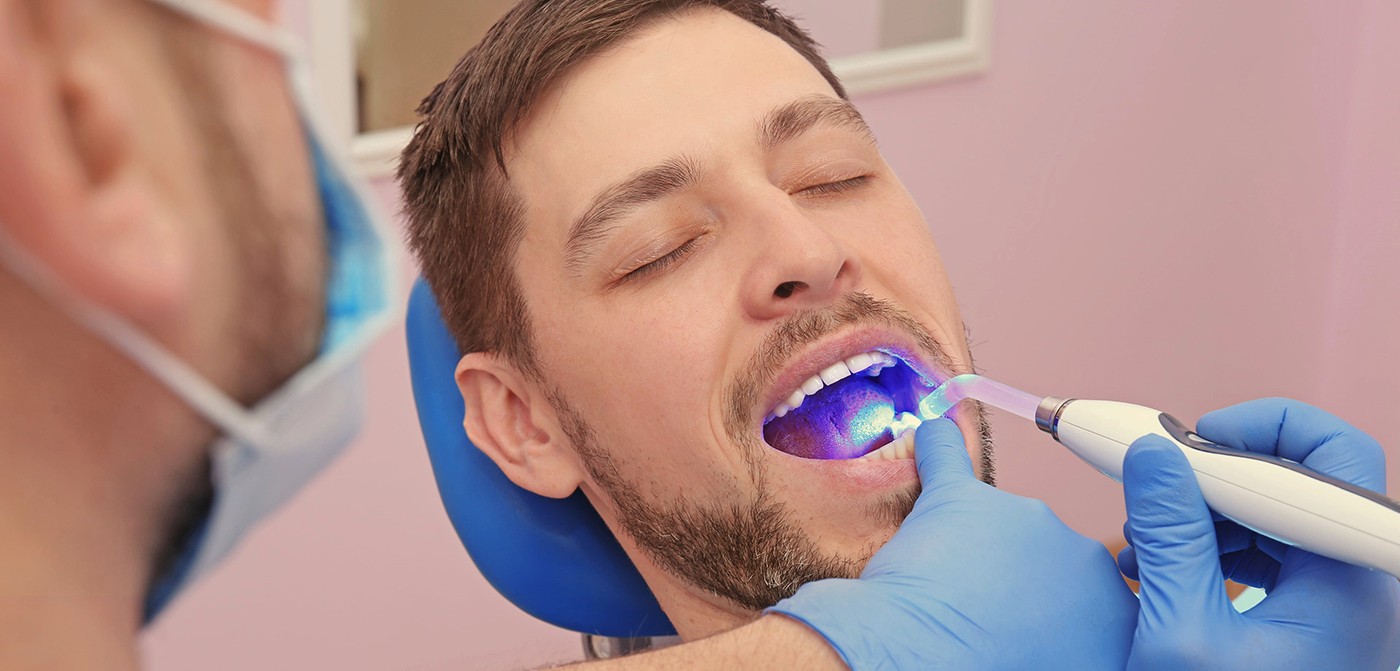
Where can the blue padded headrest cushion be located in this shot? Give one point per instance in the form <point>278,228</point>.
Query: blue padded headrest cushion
<point>554,558</point>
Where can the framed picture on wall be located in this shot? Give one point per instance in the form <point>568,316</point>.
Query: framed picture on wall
<point>375,59</point>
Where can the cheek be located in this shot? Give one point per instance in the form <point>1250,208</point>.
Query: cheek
<point>897,237</point>
<point>642,371</point>
<point>662,451</point>
<point>900,254</point>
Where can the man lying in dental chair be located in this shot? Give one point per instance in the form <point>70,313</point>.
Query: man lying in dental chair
<point>679,267</point>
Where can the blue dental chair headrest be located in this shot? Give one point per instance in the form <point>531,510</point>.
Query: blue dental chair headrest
<point>553,558</point>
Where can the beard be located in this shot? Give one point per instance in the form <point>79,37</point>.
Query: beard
<point>754,553</point>
<point>279,253</point>
<point>279,321</point>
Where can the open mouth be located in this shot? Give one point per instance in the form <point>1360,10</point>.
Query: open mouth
<point>860,407</point>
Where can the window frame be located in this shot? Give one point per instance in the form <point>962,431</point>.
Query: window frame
<point>376,153</point>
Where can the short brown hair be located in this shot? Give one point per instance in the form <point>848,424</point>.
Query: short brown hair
<point>464,220</point>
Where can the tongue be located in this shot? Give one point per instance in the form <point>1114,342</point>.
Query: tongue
<point>842,421</point>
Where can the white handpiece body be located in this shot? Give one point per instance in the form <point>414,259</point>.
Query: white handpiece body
<point>1272,496</point>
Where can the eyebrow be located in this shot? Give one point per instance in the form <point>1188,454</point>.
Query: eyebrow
<point>799,116</point>
<point>677,173</point>
<point>644,186</point>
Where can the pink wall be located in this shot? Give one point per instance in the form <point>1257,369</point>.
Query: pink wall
<point>1183,204</point>
<point>1361,347</point>
<point>1147,201</point>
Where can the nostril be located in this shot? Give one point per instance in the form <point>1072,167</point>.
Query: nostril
<point>787,289</point>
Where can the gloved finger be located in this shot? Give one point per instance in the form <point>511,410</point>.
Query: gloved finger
<point>1244,557</point>
<point>1250,567</point>
<point>1178,561</point>
<point>1300,432</point>
<point>1311,583</point>
<point>1232,538</point>
<point>941,454</point>
<point>1127,563</point>
<point>1127,559</point>
<point>1271,547</point>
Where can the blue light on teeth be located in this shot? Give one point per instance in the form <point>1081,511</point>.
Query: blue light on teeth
<point>904,422</point>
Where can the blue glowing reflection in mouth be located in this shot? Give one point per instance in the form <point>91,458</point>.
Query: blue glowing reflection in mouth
<point>849,418</point>
<point>869,424</point>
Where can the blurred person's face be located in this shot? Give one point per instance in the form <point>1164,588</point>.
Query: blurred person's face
<point>176,158</point>
<point>249,156</point>
<point>760,240</point>
<point>159,168</point>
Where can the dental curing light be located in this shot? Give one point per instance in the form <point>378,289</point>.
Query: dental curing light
<point>1276,497</point>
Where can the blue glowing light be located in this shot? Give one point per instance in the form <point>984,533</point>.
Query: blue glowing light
<point>938,402</point>
<point>904,422</point>
<point>870,422</point>
<point>876,420</point>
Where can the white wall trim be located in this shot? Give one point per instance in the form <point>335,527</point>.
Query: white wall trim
<point>376,154</point>
<point>331,44</point>
<point>921,64</point>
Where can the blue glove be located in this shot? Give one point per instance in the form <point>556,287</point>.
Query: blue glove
<point>975,578</point>
<point>1319,613</point>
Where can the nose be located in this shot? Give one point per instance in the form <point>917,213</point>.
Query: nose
<point>798,264</point>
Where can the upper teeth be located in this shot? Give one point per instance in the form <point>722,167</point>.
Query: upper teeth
<point>869,363</point>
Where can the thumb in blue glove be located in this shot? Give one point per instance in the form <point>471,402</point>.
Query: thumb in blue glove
<point>1319,613</point>
<point>975,578</point>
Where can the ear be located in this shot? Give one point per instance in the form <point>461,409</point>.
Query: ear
<point>74,192</point>
<point>512,422</point>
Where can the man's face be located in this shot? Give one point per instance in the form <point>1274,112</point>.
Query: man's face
<point>708,230</point>
<point>158,168</point>
<point>236,149</point>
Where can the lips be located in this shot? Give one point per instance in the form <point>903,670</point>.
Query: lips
<point>855,406</point>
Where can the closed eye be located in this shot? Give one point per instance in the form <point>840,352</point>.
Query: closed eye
<point>662,263</point>
<point>831,188</point>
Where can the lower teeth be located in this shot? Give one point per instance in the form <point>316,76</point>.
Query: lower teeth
<point>900,448</point>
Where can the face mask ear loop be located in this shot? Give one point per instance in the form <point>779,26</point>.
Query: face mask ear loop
<point>237,22</point>
<point>212,403</point>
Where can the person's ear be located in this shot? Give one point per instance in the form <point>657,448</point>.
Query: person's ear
<point>74,191</point>
<point>513,423</point>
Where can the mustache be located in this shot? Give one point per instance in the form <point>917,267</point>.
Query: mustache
<point>806,327</point>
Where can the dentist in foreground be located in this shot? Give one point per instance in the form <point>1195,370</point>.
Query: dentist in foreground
<point>188,281</point>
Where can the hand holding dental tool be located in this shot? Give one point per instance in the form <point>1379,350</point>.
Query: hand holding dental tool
<point>1267,493</point>
<point>975,578</point>
<point>1280,467</point>
<point>1319,613</point>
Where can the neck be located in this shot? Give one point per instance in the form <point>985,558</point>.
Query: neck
<point>85,439</point>
<point>695,615</point>
<point>73,566</point>
<point>63,610</point>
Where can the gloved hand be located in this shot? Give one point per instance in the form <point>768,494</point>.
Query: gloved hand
<point>1319,613</point>
<point>975,578</point>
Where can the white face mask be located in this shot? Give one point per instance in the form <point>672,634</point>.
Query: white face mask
<point>267,453</point>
